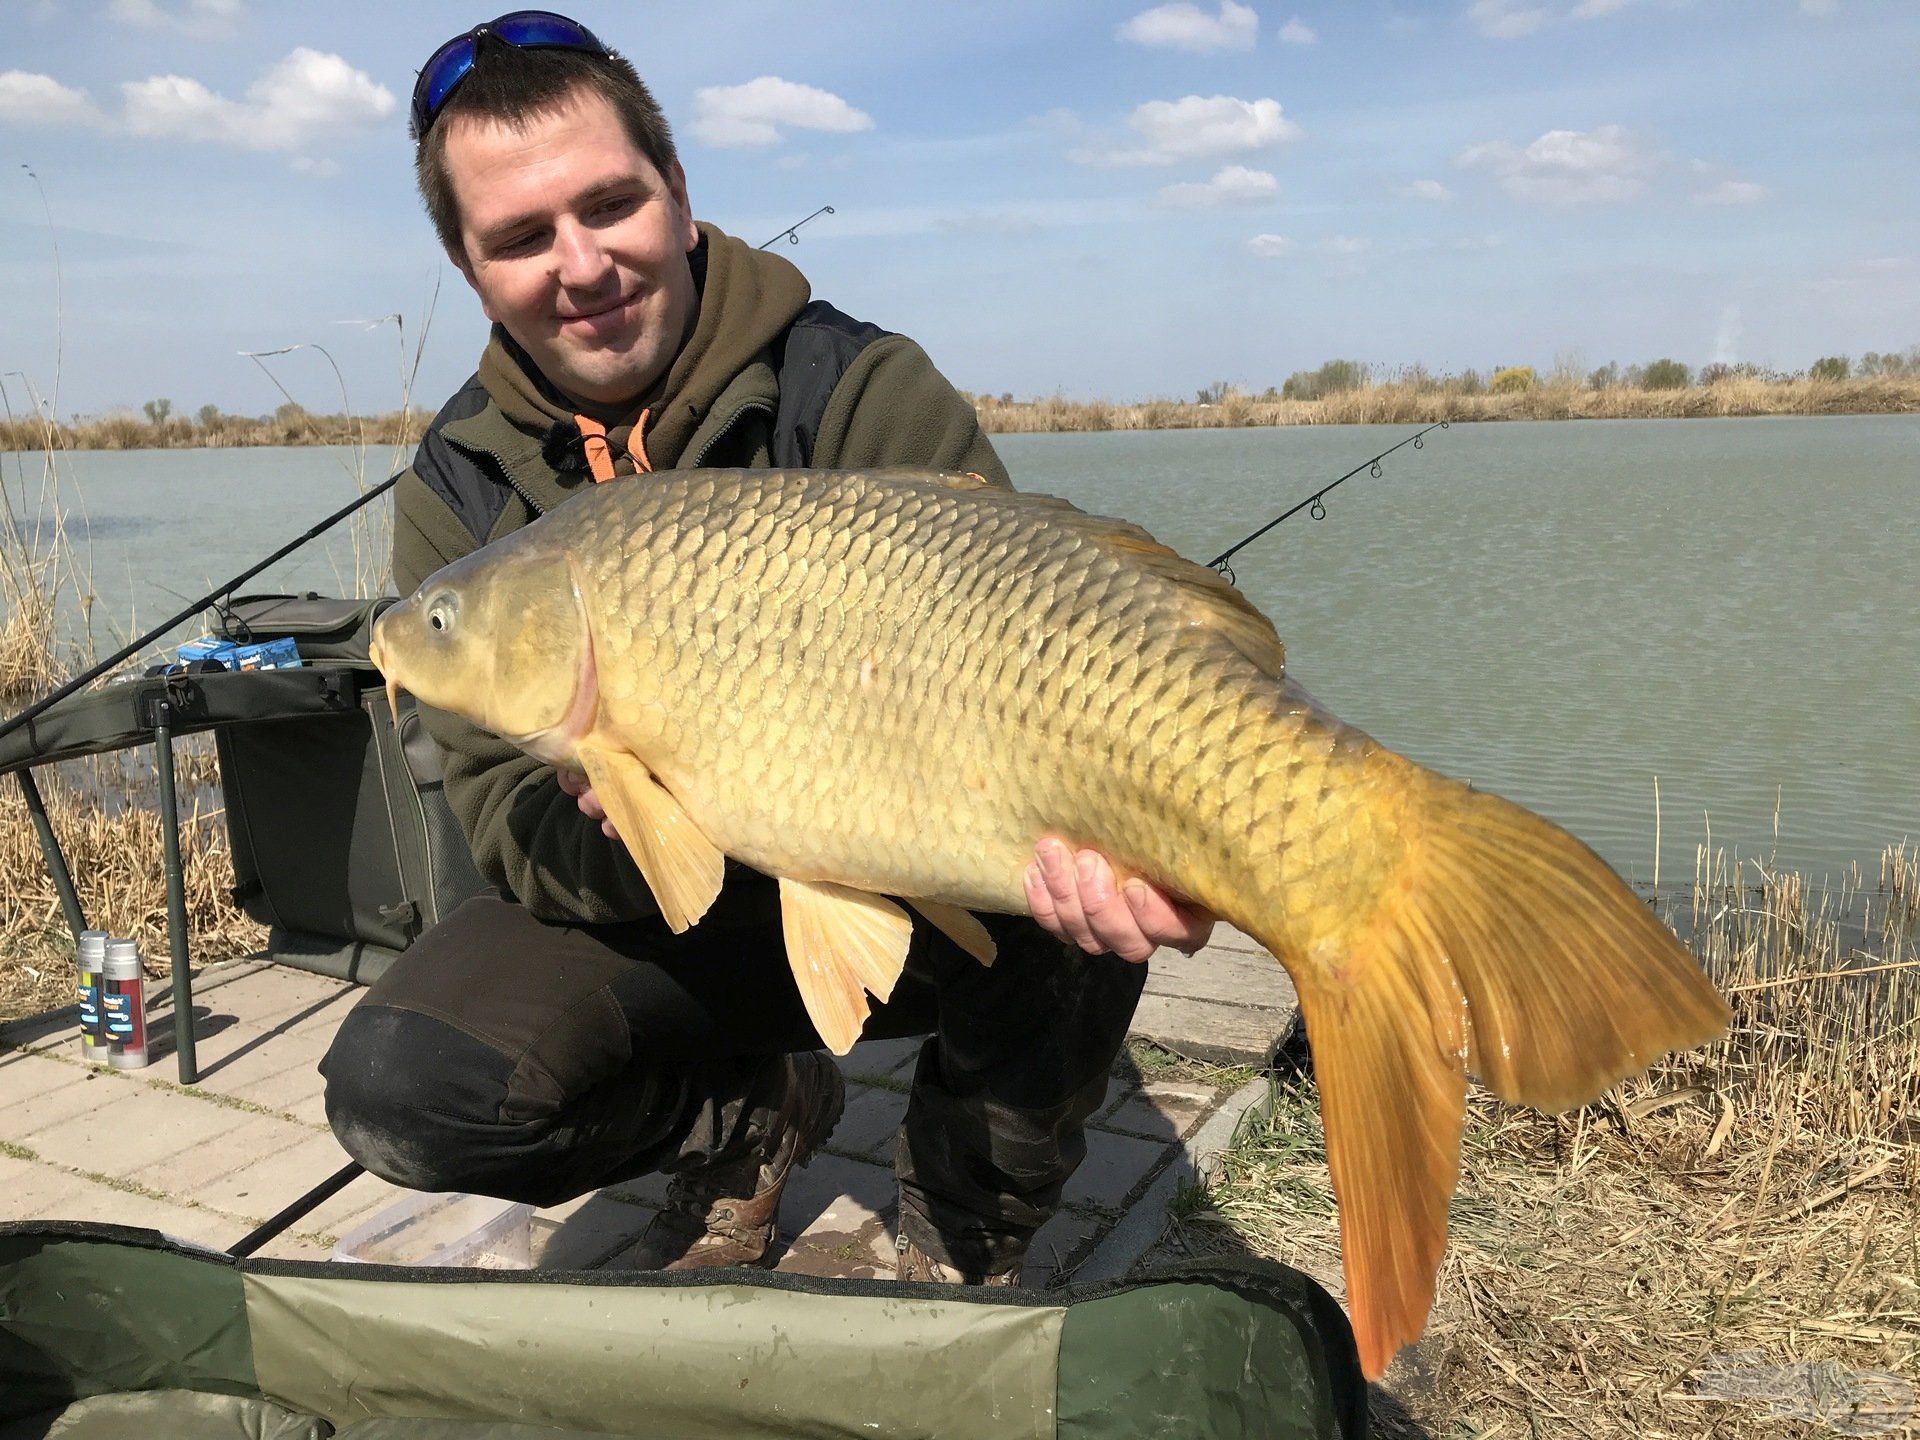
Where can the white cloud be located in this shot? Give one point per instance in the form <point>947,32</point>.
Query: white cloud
<point>734,116</point>
<point>1196,127</point>
<point>1820,8</point>
<point>308,97</point>
<point>1188,27</point>
<point>1426,190</point>
<point>1271,247</point>
<point>1569,167</point>
<point>1732,192</point>
<point>1505,19</point>
<point>1598,9</point>
<point>1297,32</point>
<point>31,99</point>
<point>206,19</point>
<point>1231,186</point>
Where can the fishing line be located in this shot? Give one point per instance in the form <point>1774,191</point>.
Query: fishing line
<point>1314,503</point>
<point>792,233</point>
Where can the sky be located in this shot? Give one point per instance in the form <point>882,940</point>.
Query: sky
<point>1115,201</point>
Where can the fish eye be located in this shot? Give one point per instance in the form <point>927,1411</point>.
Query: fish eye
<point>440,614</point>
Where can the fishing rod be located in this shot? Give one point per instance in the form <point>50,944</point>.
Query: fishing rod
<point>792,233</point>
<point>40,707</point>
<point>1221,562</point>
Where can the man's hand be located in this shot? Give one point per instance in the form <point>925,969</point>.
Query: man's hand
<point>578,786</point>
<point>1075,898</point>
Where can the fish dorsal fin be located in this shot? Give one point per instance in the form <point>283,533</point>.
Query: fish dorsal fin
<point>681,865</point>
<point>959,926</point>
<point>1213,602</point>
<point>841,943</point>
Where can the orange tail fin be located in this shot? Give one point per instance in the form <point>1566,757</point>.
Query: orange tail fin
<point>1506,946</point>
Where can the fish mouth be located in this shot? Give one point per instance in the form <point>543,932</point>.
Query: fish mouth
<point>393,685</point>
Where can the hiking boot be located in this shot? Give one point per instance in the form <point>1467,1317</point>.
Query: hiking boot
<point>917,1265</point>
<point>724,1213</point>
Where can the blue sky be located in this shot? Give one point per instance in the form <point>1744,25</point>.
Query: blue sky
<point>1115,200</point>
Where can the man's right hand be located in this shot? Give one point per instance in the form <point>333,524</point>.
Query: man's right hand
<point>576,784</point>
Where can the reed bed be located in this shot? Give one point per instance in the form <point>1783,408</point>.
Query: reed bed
<point>1728,1245</point>
<point>133,432</point>
<point>1425,404</point>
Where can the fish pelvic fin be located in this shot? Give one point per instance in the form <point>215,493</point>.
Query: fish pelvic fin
<point>959,926</point>
<point>841,944</point>
<point>682,867</point>
<point>1498,944</point>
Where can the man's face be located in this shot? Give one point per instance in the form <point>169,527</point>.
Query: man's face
<point>577,245</point>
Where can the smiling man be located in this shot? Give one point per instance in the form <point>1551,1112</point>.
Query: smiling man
<point>553,1035</point>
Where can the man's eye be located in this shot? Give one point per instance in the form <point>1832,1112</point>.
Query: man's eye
<point>519,244</point>
<point>619,205</point>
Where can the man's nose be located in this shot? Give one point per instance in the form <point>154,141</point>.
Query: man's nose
<point>583,260</point>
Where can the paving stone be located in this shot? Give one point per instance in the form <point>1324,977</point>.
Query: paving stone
<point>1060,1242</point>
<point>870,1122</point>
<point>274,995</point>
<point>1208,1030</point>
<point>882,1058</point>
<point>590,1237</point>
<point>61,1093</point>
<point>25,1076</point>
<point>839,1215</point>
<point>270,1183</point>
<point>64,1197</point>
<point>37,1191</point>
<point>1163,1110</point>
<point>1114,1165</point>
<point>134,1127</point>
<point>225,1173</point>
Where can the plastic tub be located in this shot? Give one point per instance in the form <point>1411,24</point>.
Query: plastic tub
<point>444,1229</point>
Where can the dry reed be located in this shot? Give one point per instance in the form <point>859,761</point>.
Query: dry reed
<point>1405,404</point>
<point>131,432</point>
<point>1722,1244</point>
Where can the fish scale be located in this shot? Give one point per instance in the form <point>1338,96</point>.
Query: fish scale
<point>894,684</point>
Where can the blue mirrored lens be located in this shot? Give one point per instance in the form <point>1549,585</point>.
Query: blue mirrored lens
<point>536,28</point>
<point>446,70</point>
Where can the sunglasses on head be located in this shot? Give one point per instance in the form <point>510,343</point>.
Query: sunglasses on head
<point>522,29</point>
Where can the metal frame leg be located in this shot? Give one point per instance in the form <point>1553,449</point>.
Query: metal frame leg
<point>55,857</point>
<point>176,897</point>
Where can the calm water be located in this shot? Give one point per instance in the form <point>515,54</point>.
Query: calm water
<point>1559,612</point>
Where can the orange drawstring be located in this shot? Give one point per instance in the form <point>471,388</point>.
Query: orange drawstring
<point>593,439</point>
<point>637,444</point>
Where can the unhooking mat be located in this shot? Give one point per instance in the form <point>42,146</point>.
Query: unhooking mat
<point>108,1333</point>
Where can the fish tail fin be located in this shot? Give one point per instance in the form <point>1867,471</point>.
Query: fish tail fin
<point>1500,944</point>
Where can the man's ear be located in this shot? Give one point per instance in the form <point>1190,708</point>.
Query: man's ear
<point>677,187</point>
<point>461,263</point>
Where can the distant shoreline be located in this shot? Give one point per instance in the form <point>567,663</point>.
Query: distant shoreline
<point>1398,403</point>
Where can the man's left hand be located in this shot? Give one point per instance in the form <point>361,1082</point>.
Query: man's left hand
<point>1074,896</point>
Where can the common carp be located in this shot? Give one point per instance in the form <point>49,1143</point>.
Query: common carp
<point>892,684</point>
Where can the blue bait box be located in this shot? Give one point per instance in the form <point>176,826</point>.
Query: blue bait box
<point>277,654</point>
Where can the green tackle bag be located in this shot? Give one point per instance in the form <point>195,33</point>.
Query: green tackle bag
<point>343,841</point>
<point>115,1334</point>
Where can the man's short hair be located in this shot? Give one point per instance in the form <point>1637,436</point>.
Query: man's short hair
<point>512,87</point>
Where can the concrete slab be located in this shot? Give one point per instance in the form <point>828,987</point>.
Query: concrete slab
<point>882,1059</point>
<point>1114,1165</point>
<point>593,1235</point>
<point>870,1122</point>
<point>235,1173</point>
<point>132,1129</point>
<point>1163,1110</point>
<point>1060,1243</point>
<point>1208,1030</point>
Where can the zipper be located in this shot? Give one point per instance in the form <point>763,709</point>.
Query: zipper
<point>720,434</point>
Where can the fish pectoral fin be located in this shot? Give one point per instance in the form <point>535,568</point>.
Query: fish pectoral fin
<point>842,943</point>
<point>1392,1101</point>
<point>680,864</point>
<point>959,926</point>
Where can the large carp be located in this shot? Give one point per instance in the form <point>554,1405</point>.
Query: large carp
<point>893,684</point>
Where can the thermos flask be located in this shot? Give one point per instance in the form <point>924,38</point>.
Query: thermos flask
<point>93,955</point>
<point>124,1004</point>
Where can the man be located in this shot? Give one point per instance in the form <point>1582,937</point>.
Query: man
<point>553,1035</point>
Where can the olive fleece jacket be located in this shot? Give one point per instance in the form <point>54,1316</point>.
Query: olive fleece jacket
<point>506,447</point>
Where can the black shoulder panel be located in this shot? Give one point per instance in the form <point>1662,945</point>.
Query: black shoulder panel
<point>815,352</point>
<point>474,495</point>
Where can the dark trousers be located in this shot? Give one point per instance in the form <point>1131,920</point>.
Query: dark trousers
<point>504,1055</point>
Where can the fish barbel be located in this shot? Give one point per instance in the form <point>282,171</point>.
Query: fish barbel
<point>894,683</point>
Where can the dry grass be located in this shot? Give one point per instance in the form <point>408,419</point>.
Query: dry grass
<point>1408,404</point>
<point>1728,1245</point>
<point>133,432</point>
<point>115,854</point>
